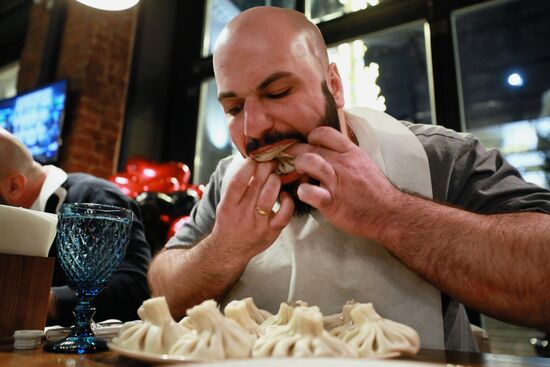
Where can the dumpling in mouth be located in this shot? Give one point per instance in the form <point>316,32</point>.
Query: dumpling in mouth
<point>285,162</point>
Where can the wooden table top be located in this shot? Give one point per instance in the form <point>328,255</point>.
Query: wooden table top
<point>39,358</point>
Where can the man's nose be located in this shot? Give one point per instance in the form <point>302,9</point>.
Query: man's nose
<point>256,119</point>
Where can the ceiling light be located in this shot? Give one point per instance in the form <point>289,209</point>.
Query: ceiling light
<point>515,80</point>
<point>112,5</point>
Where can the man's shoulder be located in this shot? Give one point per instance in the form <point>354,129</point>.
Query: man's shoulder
<point>431,136</point>
<point>429,131</point>
<point>439,140</point>
<point>225,162</point>
<point>222,166</point>
<point>83,186</point>
<point>87,180</point>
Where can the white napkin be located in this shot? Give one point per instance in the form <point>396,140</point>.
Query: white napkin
<point>106,330</point>
<point>26,232</point>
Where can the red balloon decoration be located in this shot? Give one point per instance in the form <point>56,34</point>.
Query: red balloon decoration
<point>128,183</point>
<point>163,192</point>
<point>150,171</point>
<point>143,175</point>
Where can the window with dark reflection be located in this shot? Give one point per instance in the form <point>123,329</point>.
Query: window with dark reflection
<point>387,71</point>
<point>213,140</point>
<point>503,52</point>
<point>323,10</point>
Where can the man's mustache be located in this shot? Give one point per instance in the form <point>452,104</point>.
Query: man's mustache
<point>271,138</point>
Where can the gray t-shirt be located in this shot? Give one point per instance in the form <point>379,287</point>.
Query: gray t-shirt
<point>463,174</point>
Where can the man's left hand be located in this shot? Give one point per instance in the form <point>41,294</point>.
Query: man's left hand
<point>354,195</point>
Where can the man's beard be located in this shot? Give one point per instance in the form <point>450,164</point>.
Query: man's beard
<point>330,118</point>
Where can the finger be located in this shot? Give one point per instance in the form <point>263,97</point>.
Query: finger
<point>283,216</point>
<point>317,167</point>
<point>301,148</point>
<point>238,184</point>
<point>316,196</point>
<point>330,138</point>
<point>259,178</point>
<point>269,192</point>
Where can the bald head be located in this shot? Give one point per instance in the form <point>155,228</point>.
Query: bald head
<point>15,156</point>
<point>21,178</point>
<point>272,30</point>
<point>274,79</point>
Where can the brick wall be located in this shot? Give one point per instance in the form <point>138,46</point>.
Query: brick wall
<point>95,56</point>
<point>31,55</point>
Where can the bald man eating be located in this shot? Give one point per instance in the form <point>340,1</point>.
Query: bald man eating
<point>25,183</point>
<point>325,204</point>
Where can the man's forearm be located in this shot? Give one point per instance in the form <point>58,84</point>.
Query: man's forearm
<point>497,264</point>
<point>186,277</point>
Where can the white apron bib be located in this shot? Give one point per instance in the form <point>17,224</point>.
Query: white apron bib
<point>313,261</point>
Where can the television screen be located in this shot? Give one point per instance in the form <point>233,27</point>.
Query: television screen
<point>36,118</point>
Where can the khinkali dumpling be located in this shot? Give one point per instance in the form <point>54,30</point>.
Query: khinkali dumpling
<point>299,303</point>
<point>283,316</point>
<point>339,319</point>
<point>187,323</point>
<point>158,331</point>
<point>280,318</point>
<point>303,336</point>
<point>257,314</point>
<point>239,311</point>
<point>214,336</point>
<point>374,336</point>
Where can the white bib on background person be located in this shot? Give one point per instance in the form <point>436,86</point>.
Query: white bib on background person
<point>313,261</point>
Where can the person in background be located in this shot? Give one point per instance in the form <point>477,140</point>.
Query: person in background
<point>25,183</point>
<point>416,219</point>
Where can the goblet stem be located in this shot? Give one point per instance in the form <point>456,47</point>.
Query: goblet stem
<point>84,311</point>
<point>81,339</point>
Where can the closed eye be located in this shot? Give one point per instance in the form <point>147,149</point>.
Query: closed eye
<point>279,95</point>
<point>235,110</point>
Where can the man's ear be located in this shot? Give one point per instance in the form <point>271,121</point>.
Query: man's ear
<point>12,188</point>
<point>334,82</point>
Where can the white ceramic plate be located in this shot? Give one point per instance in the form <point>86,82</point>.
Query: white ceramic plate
<point>314,362</point>
<point>150,357</point>
<point>265,362</point>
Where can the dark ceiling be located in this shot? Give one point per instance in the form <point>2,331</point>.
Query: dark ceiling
<point>14,15</point>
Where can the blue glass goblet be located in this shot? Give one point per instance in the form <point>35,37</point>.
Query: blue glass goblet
<point>91,242</point>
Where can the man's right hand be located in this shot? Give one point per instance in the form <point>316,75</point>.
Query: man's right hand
<point>244,227</point>
<point>245,224</point>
